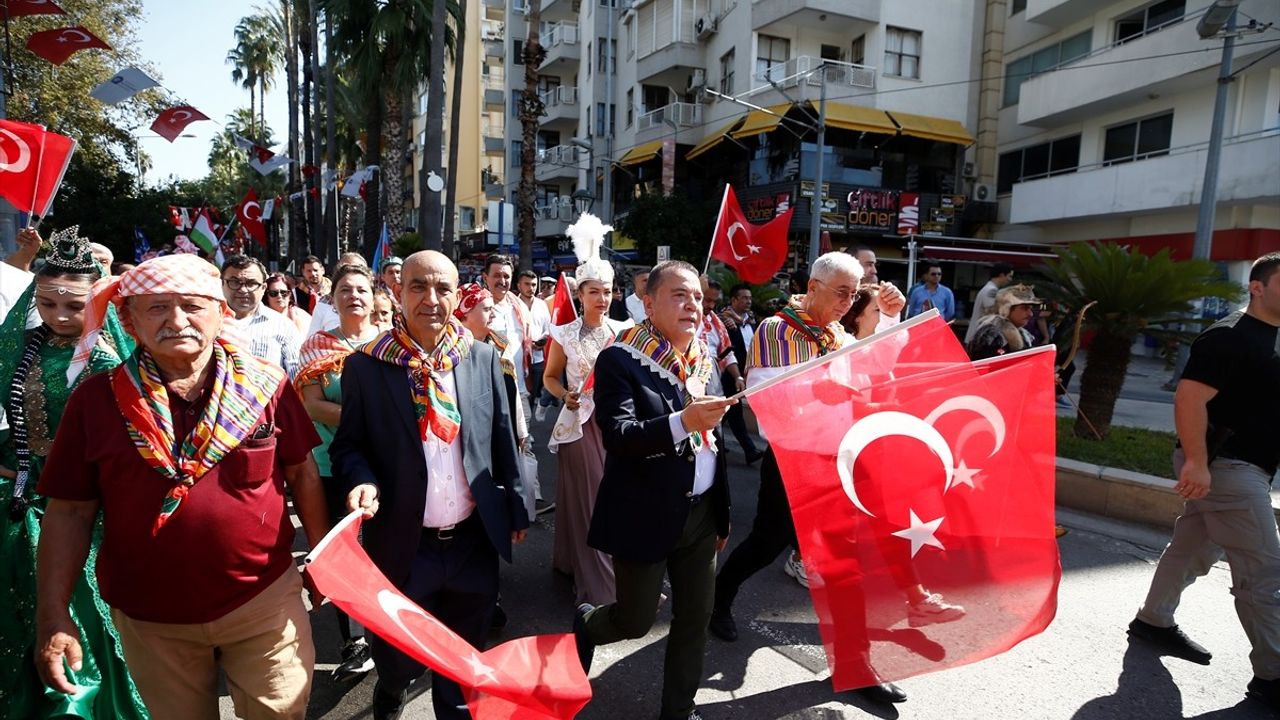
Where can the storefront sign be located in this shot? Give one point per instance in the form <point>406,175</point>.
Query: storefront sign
<point>872,210</point>
<point>908,213</point>
<point>763,208</point>
<point>806,189</point>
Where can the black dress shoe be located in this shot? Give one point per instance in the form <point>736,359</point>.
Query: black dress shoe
<point>586,648</point>
<point>499,621</point>
<point>387,705</point>
<point>723,626</point>
<point>1172,640</point>
<point>883,693</point>
<point>1265,691</point>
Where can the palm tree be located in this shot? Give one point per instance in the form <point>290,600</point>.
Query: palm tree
<point>455,115</point>
<point>429,215</point>
<point>1134,294</point>
<point>283,18</point>
<point>531,109</point>
<point>254,59</point>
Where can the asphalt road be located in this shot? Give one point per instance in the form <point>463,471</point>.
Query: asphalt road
<point>1082,668</point>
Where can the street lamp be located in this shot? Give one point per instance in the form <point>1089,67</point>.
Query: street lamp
<point>582,201</point>
<point>1215,17</point>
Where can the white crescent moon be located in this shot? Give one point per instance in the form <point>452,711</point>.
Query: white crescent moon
<point>174,118</point>
<point>68,35</point>
<point>886,423</point>
<point>980,405</point>
<point>393,605</point>
<point>249,204</point>
<point>729,235</point>
<point>24,154</point>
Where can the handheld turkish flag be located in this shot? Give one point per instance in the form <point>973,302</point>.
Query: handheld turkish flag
<point>173,121</point>
<point>914,475</point>
<point>32,164</point>
<point>249,213</point>
<point>755,252</point>
<point>58,45</point>
<point>562,310</point>
<point>529,678</point>
<point>23,8</point>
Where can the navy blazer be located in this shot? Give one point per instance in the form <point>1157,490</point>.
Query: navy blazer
<point>644,498</point>
<point>377,442</point>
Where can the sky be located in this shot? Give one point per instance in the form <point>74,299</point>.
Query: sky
<point>188,43</point>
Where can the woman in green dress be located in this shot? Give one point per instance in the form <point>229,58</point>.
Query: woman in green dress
<point>34,388</point>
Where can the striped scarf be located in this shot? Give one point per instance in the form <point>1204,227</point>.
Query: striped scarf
<point>322,353</point>
<point>437,412</point>
<point>242,388</point>
<point>500,343</point>
<point>646,344</point>
<point>790,338</point>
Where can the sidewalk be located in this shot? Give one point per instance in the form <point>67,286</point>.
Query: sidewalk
<point>1143,403</point>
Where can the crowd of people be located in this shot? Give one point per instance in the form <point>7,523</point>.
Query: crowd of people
<point>159,421</point>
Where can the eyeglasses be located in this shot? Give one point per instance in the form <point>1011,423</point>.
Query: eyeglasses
<point>278,293</point>
<point>935,273</point>
<point>235,284</point>
<point>842,295</point>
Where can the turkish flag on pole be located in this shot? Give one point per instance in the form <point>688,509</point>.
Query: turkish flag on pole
<point>23,8</point>
<point>58,45</point>
<point>173,121</point>
<point>249,213</point>
<point>55,156</point>
<point>32,163</point>
<point>562,309</point>
<point>910,470</point>
<point>755,252</point>
<point>529,678</point>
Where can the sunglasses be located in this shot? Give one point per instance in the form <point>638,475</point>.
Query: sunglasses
<point>278,293</point>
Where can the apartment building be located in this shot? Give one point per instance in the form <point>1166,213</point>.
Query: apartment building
<point>633,91</point>
<point>1104,123</point>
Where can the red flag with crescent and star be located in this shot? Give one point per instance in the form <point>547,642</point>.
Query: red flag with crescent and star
<point>59,44</point>
<point>173,121</point>
<point>24,8</point>
<point>755,252</point>
<point>529,678</point>
<point>249,213</point>
<point>32,164</point>
<point>562,310</point>
<point>922,488</point>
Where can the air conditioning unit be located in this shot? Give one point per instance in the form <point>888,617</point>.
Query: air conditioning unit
<point>982,192</point>
<point>698,80</point>
<point>705,26</point>
<point>968,171</point>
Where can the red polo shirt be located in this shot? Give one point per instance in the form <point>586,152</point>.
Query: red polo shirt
<point>232,536</point>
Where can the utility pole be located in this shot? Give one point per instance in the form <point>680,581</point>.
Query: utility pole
<point>819,199</point>
<point>330,134</point>
<point>1209,193</point>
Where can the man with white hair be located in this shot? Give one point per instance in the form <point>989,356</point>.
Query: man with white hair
<point>102,254</point>
<point>806,329</point>
<point>187,449</point>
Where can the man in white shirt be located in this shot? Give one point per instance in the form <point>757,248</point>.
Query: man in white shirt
<point>985,302</point>
<point>539,332</point>
<point>635,301</point>
<point>513,317</point>
<point>264,332</point>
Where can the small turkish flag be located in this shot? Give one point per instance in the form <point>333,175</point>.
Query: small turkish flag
<point>755,252</point>
<point>173,121</point>
<point>922,489</point>
<point>58,45</point>
<point>249,213</point>
<point>32,163</point>
<point>175,218</point>
<point>529,678</point>
<point>55,157</point>
<point>562,309</point>
<point>23,8</point>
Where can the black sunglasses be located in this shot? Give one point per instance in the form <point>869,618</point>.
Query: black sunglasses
<point>277,293</point>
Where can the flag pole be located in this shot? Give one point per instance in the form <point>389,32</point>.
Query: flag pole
<point>715,234</point>
<point>32,218</point>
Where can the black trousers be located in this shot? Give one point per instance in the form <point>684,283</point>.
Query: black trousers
<point>772,532</point>
<point>736,420</point>
<point>457,582</point>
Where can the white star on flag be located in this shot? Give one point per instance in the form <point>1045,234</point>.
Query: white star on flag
<point>921,533</point>
<point>753,249</point>
<point>964,475</point>
<point>480,669</point>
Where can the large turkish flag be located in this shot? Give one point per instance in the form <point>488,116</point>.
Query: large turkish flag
<point>912,472</point>
<point>32,163</point>
<point>58,45</point>
<point>24,8</point>
<point>170,124</point>
<point>529,678</point>
<point>755,252</point>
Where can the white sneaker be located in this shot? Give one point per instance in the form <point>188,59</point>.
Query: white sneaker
<point>540,413</point>
<point>933,610</point>
<point>794,567</point>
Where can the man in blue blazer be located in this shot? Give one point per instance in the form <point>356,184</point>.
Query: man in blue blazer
<point>663,505</point>
<point>425,435</point>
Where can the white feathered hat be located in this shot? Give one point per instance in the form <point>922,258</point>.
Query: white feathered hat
<point>588,236</point>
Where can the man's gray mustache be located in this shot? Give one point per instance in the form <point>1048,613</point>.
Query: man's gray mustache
<point>192,333</point>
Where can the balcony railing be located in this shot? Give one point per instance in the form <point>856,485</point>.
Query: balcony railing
<point>493,30</point>
<point>559,155</point>
<point>560,34</point>
<point>800,69</point>
<point>559,208</point>
<point>559,95</point>
<point>495,81</point>
<point>679,113</point>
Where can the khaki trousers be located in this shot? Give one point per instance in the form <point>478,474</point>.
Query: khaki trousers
<point>264,647</point>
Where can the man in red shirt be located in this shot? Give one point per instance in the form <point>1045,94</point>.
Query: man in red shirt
<point>186,449</point>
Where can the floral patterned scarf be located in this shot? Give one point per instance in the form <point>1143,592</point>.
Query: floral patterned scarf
<point>437,412</point>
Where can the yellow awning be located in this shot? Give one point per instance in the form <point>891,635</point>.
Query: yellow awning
<point>641,153</point>
<point>932,128</point>
<point>760,122</point>
<point>859,119</point>
<point>712,140</point>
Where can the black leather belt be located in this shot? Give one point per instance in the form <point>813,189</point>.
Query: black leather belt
<point>695,499</point>
<point>443,535</point>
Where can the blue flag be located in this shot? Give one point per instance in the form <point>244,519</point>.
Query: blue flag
<point>383,251</point>
<point>141,246</point>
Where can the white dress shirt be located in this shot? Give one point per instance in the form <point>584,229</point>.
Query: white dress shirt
<point>271,337</point>
<point>635,308</point>
<point>704,463</point>
<point>323,317</point>
<point>449,499</point>
<point>539,326</point>
<point>507,322</point>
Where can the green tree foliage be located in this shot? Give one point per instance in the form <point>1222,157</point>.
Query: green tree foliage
<point>683,222</point>
<point>1134,294</point>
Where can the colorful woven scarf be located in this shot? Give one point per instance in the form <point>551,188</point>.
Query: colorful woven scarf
<point>500,343</point>
<point>242,387</point>
<point>644,342</point>
<point>826,338</point>
<point>437,412</point>
<point>322,353</point>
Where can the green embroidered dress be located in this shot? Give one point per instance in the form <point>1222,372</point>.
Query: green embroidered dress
<point>106,690</point>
